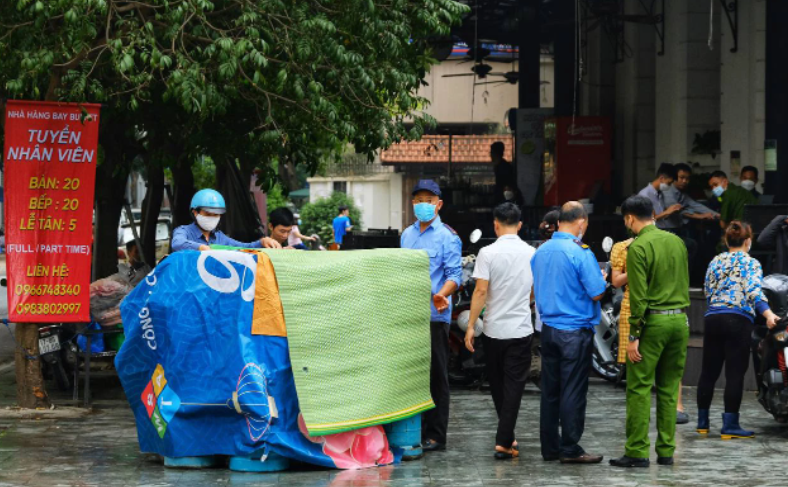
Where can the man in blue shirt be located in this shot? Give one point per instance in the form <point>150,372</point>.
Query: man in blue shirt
<point>568,286</point>
<point>655,191</point>
<point>207,206</point>
<point>445,250</point>
<point>342,224</point>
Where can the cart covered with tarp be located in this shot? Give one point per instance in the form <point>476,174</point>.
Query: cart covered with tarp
<point>304,354</point>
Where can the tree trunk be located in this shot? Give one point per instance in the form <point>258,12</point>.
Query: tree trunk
<point>151,207</point>
<point>30,390</point>
<point>288,176</point>
<point>183,182</point>
<point>111,177</point>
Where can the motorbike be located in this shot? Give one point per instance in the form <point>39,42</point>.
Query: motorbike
<point>770,351</point>
<point>466,369</point>
<point>57,356</point>
<point>605,352</point>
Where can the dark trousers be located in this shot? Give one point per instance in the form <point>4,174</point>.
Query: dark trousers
<point>508,364</point>
<point>436,420</point>
<point>726,340</point>
<point>566,359</point>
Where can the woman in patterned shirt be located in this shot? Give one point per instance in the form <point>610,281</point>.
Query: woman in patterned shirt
<point>734,295</point>
<point>618,264</point>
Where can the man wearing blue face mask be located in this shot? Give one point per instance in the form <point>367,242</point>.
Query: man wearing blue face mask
<point>445,250</point>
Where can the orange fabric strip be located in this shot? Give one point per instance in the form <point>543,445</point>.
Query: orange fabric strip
<point>268,317</point>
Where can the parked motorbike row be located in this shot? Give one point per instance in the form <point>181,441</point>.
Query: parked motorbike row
<point>769,347</point>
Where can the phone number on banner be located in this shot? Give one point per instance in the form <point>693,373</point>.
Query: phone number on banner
<point>47,308</point>
<point>47,290</point>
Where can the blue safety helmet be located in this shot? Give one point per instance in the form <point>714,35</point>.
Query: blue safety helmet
<point>209,200</point>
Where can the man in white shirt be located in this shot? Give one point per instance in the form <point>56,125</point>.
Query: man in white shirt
<point>504,283</point>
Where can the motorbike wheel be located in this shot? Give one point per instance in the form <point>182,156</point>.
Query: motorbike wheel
<point>62,380</point>
<point>606,370</point>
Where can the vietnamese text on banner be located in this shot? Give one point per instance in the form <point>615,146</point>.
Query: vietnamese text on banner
<point>50,158</point>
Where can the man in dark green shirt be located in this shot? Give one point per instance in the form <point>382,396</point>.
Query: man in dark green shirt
<point>658,276</point>
<point>732,197</point>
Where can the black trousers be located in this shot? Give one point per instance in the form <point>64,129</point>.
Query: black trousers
<point>436,421</point>
<point>726,340</point>
<point>508,364</point>
<point>566,359</point>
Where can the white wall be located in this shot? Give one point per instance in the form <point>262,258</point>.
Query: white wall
<point>378,196</point>
<point>743,83</point>
<point>452,99</point>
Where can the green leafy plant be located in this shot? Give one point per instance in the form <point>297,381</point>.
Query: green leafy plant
<point>317,217</point>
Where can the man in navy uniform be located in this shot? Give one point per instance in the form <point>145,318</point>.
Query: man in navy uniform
<point>445,250</point>
<point>568,286</point>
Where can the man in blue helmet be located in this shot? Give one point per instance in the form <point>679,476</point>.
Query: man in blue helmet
<point>207,206</point>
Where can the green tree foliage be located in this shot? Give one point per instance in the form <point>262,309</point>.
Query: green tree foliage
<point>264,80</point>
<point>274,198</point>
<point>317,217</point>
<point>204,171</point>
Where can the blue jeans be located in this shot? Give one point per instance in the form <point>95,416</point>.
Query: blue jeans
<point>566,359</point>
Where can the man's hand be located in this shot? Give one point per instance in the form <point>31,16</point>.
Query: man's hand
<point>633,353</point>
<point>269,243</point>
<point>771,319</point>
<point>469,336</point>
<point>441,302</point>
<point>204,248</point>
<point>673,209</point>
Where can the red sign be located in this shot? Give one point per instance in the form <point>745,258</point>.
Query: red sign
<point>577,160</point>
<point>50,160</point>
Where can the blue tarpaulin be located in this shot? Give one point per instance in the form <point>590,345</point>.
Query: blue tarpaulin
<point>198,381</point>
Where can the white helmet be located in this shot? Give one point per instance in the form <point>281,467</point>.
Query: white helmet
<point>462,322</point>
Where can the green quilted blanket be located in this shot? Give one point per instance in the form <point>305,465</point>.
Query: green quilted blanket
<point>358,332</point>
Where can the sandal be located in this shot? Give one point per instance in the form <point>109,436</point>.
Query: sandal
<point>506,455</point>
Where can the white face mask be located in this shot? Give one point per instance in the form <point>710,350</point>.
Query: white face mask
<point>663,187</point>
<point>207,223</point>
<point>508,194</point>
<point>748,185</point>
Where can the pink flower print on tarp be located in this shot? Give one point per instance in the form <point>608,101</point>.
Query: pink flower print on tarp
<point>361,448</point>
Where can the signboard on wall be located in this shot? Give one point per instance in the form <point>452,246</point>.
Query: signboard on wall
<point>50,158</point>
<point>529,151</point>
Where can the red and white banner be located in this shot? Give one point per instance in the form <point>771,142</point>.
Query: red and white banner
<point>50,156</point>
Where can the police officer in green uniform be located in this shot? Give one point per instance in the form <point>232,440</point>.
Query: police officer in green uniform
<point>657,270</point>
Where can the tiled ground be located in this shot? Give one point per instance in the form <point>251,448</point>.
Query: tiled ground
<point>101,449</point>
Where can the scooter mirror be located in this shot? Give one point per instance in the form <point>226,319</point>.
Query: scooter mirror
<point>476,235</point>
<point>607,244</point>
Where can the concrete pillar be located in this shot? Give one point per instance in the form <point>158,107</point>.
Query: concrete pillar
<point>530,54</point>
<point>687,81</point>
<point>635,106</point>
<point>565,46</point>
<point>742,82</point>
<point>776,97</point>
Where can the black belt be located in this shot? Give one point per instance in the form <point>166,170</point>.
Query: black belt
<point>667,311</point>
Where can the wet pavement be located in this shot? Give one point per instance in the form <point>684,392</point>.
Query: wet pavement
<point>100,448</point>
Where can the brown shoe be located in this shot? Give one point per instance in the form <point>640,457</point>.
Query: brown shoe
<point>584,458</point>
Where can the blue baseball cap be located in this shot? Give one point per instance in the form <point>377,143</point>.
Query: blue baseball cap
<point>427,185</point>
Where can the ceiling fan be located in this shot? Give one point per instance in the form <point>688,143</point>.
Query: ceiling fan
<point>479,70</point>
<point>510,77</point>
